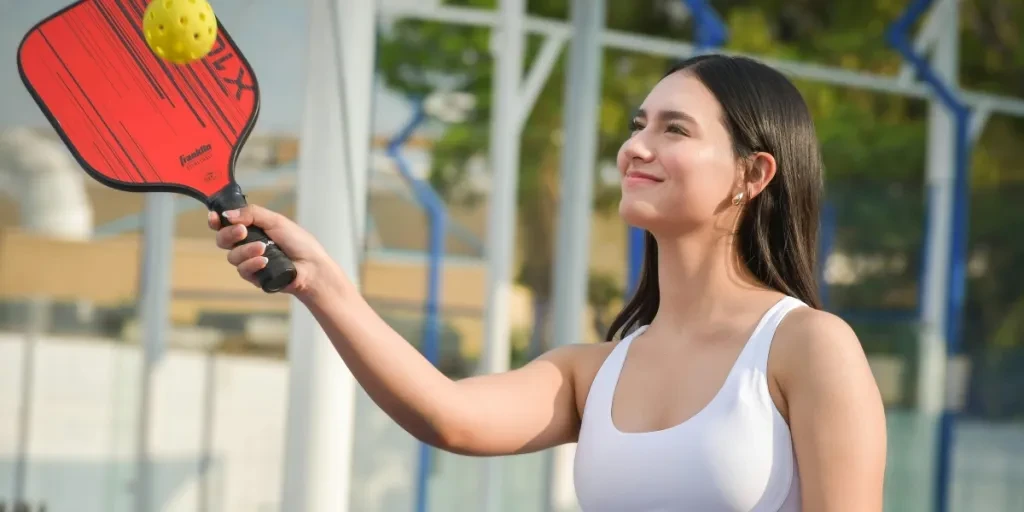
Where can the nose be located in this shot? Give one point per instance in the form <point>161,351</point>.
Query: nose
<point>634,149</point>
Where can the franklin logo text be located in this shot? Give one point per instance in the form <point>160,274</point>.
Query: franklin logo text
<point>198,155</point>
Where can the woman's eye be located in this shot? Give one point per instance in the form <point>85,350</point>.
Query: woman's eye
<point>675,128</point>
<point>635,126</point>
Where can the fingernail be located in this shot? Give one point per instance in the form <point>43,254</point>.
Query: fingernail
<point>231,214</point>
<point>265,260</point>
<point>263,247</point>
<point>211,216</point>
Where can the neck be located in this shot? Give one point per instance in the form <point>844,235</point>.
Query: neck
<point>700,276</point>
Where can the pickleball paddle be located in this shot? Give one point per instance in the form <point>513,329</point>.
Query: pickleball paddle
<point>138,123</point>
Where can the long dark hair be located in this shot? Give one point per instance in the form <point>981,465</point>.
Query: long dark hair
<point>778,232</point>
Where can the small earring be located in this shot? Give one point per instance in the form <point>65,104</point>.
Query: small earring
<point>737,199</point>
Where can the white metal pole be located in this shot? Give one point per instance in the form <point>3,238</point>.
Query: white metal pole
<point>358,42</point>
<point>330,194</point>
<point>941,167</point>
<point>537,77</point>
<point>154,313</point>
<point>572,250</point>
<point>940,183</point>
<point>36,326</point>
<point>507,46</point>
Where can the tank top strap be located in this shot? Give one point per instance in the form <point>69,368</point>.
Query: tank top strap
<point>764,334</point>
<point>602,389</point>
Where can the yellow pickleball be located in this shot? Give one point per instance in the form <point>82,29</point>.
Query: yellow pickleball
<point>180,31</point>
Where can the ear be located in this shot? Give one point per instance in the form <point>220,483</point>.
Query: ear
<point>759,174</point>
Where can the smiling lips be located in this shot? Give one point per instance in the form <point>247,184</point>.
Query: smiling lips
<point>639,177</point>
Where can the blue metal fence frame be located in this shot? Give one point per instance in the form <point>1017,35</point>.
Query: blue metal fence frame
<point>897,37</point>
<point>826,241</point>
<point>437,217</point>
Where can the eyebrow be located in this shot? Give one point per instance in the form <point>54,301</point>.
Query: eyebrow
<point>668,115</point>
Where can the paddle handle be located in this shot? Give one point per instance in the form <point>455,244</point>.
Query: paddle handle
<point>280,270</point>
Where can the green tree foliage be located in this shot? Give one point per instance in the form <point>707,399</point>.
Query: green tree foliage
<point>874,144</point>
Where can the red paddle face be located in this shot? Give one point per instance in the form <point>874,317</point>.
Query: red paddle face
<point>134,121</point>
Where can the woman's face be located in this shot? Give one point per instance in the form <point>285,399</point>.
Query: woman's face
<point>679,171</point>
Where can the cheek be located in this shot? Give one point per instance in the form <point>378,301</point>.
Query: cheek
<point>698,173</point>
<point>699,177</point>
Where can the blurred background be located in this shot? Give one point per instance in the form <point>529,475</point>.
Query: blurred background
<point>138,373</point>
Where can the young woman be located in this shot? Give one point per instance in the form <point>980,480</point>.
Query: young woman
<point>722,387</point>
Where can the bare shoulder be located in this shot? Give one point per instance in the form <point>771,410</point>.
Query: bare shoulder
<point>581,362</point>
<point>811,340</point>
<point>815,349</point>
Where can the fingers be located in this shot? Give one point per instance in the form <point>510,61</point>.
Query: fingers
<point>243,253</point>
<point>248,259</point>
<point>247,216</point>
<point>231,235</point>
<point>248,268</point>
<point>213,220</point>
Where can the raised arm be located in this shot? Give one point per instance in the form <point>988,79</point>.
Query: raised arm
<point>520,411</point>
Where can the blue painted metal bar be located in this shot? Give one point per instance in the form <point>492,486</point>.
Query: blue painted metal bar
<point>461,233</point>
<point>709,32</point>
<point>825,244</point>
<point>897,37</point>
<point>635,259</point>
<point>437,217</point>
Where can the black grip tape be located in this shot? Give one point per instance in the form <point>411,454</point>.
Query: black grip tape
<point>280,270</point>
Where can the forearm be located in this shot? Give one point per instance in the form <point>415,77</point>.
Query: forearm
<point>394,374</point>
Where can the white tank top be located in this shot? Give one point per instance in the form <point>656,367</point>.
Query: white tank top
<point>734,455</point>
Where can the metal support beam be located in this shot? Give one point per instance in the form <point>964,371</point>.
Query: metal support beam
<point>504,144</point>
<point>982,112</point>
<point>580,119</point>
<point>330,202</point>
<point>948,186</point>
<point>538,75</point>
<point>941,170</point>
<point>154,313</point>
<point>931,30</point>
<point>952,180</point>
<point>36,326</point>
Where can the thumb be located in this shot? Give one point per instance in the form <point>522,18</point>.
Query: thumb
<point>254,215</point>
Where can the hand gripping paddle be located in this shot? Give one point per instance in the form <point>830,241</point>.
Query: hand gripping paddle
<point>140,124</point>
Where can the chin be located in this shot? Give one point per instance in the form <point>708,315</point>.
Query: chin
<point>650,217</point>
<point>639,214</point>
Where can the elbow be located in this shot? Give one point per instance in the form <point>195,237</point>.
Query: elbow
<point>453,437</point>
<point>454,434</point>
<point>444,432</point>
<point>452,427</point>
